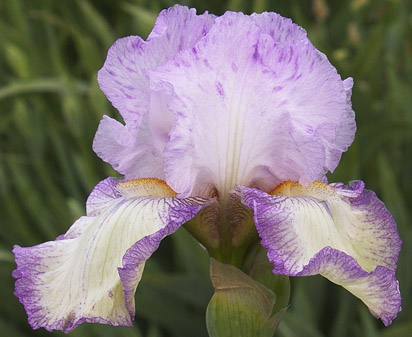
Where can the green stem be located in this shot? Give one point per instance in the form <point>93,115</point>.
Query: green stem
<point>228,254</point>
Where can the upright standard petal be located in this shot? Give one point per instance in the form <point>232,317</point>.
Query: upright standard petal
<point>124,80</point>
<point>129,151</point>
<point>123,76</point>
<point>90,274</point>
<point>254,106</point>
<point>345,234</point>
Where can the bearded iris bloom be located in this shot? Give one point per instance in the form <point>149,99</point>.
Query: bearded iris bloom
<point>230,126</point>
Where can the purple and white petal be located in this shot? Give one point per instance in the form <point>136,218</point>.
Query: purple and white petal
<point>345,234</point>
<point>281,30</point>
<point>103,193</point>
<point>252,107</point>
<point>90,274</point>
<point>123,77</point>
<point>124,80</point>
<point>378,289</point>
<point>129,151</point>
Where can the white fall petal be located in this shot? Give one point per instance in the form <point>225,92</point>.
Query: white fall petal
<point>75,278</point>
<point>344,234</point>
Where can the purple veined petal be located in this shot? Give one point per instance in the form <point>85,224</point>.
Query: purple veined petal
<point>129,151</point>
<point>338,133</point>
<point>252,109</point>
<point>123,79</point>
<point>345,234</point>
<point>281,30</point>
<point>90,274</point>
<point>102,194</point>
<point>123,76</point>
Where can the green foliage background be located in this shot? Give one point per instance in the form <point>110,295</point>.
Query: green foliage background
<point>50,106</point>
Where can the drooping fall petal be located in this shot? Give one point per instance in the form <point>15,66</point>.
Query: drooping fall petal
<point>90,274</point>
<point>345,234</point>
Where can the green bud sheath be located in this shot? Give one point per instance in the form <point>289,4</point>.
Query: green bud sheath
<point>240,306</point>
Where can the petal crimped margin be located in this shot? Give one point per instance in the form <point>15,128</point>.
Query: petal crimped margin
<point>135,149</point>
<point>90,274</point>
<point>344,233</point>
<point>250,79</point>
<point>123,77</point>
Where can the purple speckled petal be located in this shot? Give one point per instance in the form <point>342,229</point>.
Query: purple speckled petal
<point>345,234</point>
<point>253,107</point>
<point>129,151</point>
<point>90,274</point>
<point>124,80</point>
<point>337,134</point>
<point>281,30</point>
<point>123,76</point>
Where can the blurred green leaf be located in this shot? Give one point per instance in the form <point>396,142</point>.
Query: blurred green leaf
<point>6,256</point>
<point>401,330</point>
<point>293,325</point>
<point>369,328</point>
<point>191,256</point>
<point>40,85</point>
<point>97,23</point>
<point>143,16</point>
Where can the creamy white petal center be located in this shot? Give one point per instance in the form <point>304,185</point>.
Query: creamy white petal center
<point>76,278</point>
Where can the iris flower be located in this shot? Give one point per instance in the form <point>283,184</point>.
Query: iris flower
<point>230,125</point>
